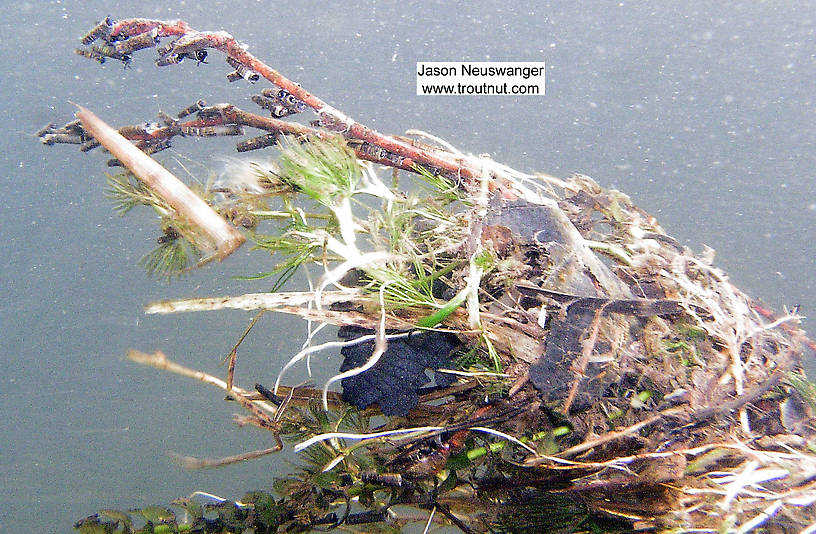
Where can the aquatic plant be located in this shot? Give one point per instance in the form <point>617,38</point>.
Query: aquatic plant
<point>591,374</point>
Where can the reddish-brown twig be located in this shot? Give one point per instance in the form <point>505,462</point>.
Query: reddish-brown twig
<point>579,367</point>
<point>152,137</point>
<point>189,41</point>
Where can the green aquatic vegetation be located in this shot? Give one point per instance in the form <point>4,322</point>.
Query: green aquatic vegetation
<point>805,387</point>
<point>176,250</point>
<point>442,313</point>
<point>398,243</point>
<point>328,172</point>
<point>173,254</point>
<point>126,193</point>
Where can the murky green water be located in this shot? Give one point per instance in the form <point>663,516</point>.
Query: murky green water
<point>703,114</point>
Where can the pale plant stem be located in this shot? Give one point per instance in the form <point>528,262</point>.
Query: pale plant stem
<point>330,436</point>
<point>333,276</point>
<point>760,518</point>
<point>362,437</point>
<point>474,277</point>
<point>373,186</point>
<point>380,344</point>
<point>252,301</point>
<point>430,521</point>
<point>310,332</point>
<point>345,220</point>
<point>502,435</point>
<point>222,237</point>
<point>328,345</point>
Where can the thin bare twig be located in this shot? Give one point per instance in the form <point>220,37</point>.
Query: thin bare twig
<point>160,361</point>
<point>253,301</point>
<point>581,364</point>
<point>611,436</point>
<point>191,462</point>
<point>233,354</point>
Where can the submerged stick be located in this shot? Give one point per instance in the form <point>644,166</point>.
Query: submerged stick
<point>191,462</point>
<point>159,361</point>
<point>254,301</point>
<point>224,239</point>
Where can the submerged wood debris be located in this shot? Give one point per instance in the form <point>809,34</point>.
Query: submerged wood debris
<point>590,373</point>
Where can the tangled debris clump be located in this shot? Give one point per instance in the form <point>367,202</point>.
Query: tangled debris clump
<point>590,373</point>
